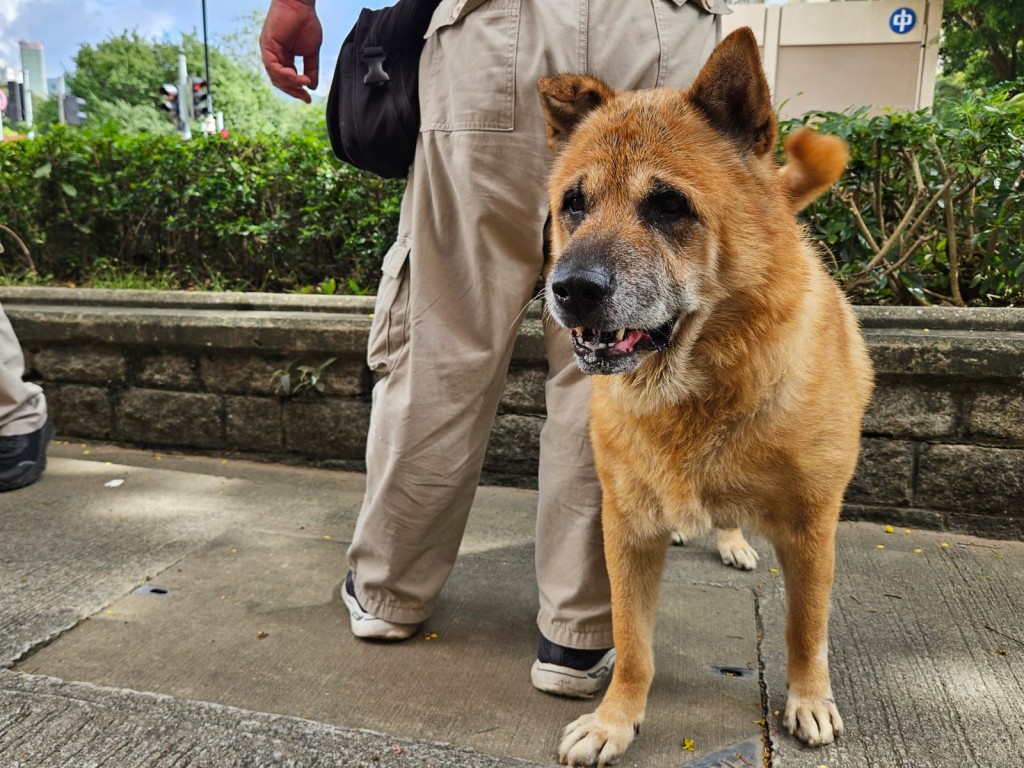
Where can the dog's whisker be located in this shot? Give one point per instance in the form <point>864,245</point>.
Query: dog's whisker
<point>539,296</point>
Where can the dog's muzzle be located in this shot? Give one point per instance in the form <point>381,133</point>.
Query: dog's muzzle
<point>583,301</point>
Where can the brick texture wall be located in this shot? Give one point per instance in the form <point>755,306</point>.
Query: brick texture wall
<point>943,443</point>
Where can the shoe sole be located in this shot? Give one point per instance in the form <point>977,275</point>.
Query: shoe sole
<point>572,683</point>
<point>368,627</point>
<point>38,465</point>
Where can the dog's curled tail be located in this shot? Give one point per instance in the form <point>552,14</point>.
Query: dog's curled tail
<point>814,162</point>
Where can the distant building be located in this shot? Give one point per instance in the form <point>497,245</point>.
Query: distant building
<point>32,62</point>
<point>827,55</point>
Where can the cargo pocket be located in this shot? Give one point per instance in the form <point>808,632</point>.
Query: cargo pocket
<point>468,70</point>
<point>688,31</point>
<point>388,330</point>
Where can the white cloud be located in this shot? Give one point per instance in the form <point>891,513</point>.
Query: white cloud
<point>9,9</point>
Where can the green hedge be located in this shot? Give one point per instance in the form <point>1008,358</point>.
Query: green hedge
<point>931,209</point>
<point>248,214</point>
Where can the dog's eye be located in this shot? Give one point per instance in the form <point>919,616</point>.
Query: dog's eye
<point>574,204</point>
<point>667,204</point>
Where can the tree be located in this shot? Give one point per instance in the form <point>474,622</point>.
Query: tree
<point>983,40</point>
<point>120,79</point>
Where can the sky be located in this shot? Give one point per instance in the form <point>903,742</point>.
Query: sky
<point>62,26</point>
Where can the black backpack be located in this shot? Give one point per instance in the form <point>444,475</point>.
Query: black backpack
<point>373,111</point>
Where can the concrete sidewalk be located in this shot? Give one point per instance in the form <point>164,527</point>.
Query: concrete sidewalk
<point>182,611</point>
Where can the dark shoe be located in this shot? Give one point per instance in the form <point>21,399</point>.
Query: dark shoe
<point>571,672</point>
<point>23,457</point>
<point>367,626</point>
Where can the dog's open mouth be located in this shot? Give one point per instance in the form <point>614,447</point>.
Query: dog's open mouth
<point>595,347</point>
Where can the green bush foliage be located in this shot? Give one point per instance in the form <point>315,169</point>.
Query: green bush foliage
<point>930,211</point>
<point>246,214</point>
<point>931,208</point>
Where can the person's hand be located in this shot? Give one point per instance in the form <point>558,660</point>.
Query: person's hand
<point>292,29</point>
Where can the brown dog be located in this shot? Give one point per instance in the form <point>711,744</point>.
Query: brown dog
<point>740,376</point>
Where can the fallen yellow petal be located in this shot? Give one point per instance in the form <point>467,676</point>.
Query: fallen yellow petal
<point>773,570</point>
<point>688,745</point>
<point>889,529</point>
<point>327,536</point>
<point>944,545</point>
<point>918,551</point>
<point>879,546</point>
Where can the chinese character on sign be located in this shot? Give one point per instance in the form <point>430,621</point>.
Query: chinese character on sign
<point>902,20</point>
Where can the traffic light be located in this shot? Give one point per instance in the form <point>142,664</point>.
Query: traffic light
<point>200,98</point>
<point>73,113</point>
<point>169,101</point>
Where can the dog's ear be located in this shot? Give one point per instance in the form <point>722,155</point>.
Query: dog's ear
<point>732,92</point>
<point>567,99</point>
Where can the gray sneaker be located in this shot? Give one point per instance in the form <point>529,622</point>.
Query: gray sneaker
<point>572,672</point>
<point>23,457</point>
<point>367,626</point>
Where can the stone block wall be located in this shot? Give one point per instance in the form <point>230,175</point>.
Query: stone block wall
<point>943,443</point>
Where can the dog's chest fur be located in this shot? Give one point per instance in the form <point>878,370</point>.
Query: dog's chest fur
<point>691,465</point>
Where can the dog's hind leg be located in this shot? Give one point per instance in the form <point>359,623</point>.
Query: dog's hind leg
<point>732,547</point>
<point>808,563</point>
<point>634,570</point>
<point>735,550</point>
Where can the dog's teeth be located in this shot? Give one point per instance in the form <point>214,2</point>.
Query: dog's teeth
<point>620,334</point>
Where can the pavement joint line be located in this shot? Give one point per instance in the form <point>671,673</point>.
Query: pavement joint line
<point>768,758</point>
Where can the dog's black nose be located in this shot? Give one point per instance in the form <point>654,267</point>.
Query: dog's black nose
<point>581,291</point>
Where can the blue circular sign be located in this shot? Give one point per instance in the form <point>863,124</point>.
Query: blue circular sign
<point>902,20</point>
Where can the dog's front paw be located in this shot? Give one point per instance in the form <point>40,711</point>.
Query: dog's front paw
<point>592,740</point>
<point>813,719</point>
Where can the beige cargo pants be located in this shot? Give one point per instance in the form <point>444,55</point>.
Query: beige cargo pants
<point>455,284</point>
<point>22,404</point>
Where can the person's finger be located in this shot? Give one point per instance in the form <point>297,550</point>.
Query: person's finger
<point>293,86</point>
<point>311,69</point>
<point>298,93</point>
<point>280,67</point>
<point>289,82</point>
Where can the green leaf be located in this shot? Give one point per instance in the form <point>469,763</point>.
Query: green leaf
<point>43,171</point>
<point>68,189</point>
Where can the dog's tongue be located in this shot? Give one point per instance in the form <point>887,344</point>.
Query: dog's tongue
<point>630,340</point>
